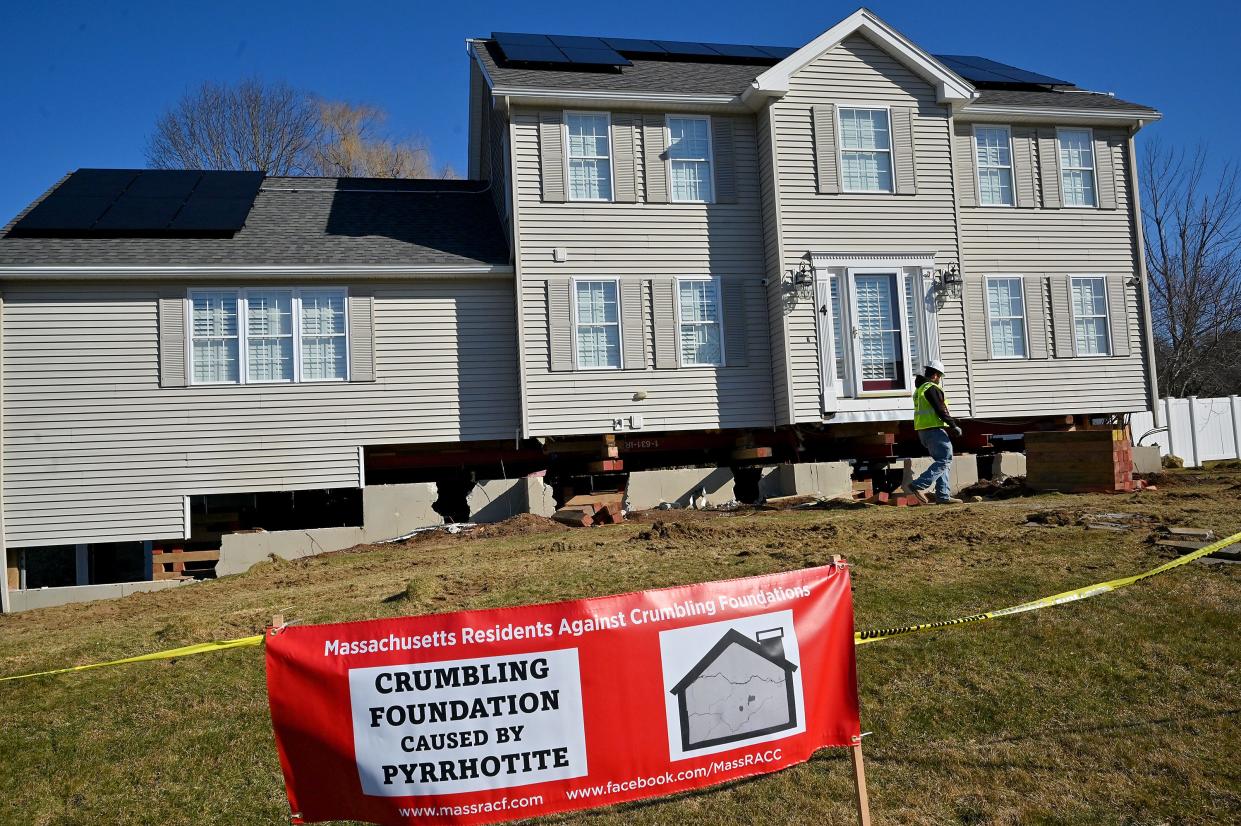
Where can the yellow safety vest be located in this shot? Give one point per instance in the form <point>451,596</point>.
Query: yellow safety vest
<point>925,416</point>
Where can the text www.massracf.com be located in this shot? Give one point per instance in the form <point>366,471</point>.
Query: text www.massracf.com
<point>611,787</point>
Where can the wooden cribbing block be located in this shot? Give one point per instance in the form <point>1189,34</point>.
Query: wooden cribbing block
<point>574,517</point>
<point>606,466</point>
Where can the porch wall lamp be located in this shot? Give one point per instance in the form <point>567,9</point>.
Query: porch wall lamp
<point>803,279</point>
<point>949,281</point>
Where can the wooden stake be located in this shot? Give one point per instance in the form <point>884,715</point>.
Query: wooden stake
<point>859,784</point>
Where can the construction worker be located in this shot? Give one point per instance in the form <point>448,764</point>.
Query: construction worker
<point>934,423</point>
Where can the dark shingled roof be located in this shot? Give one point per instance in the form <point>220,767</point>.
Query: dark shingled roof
<point>673,76</point>
<point>1050,99</point>
<point>694,76</point>
<point>311,221</point>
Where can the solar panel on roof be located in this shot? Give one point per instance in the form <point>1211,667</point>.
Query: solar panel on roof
<point>983,70</point>
<point>533,54</point>
<point>735,50</point>
<point>153,202</point>
<point>629,44</point>
<point>680,47</point>
<point>228,185</point>
<point>516,37</point>
<point>595,57</point>
<point>212,215</point>
<point>574,42</point>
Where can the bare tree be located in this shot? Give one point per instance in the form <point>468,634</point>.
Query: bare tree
<point>276,129</point>
<point>1192,222</point>
<point>353,146</point>
<point>257,126</point>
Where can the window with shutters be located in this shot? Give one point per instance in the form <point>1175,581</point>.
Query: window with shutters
<point>590,156</point>
<point>865,150</point>
<point>1006,316</point>
<point>698,323</point>
<point>689,159</point>
<point>993,153</point>
<point>1088,305</point>
<point>1077,173</point>
<point>265,336</point>
<point>596,324</point>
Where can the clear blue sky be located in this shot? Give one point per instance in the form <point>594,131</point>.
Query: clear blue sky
<point>84,81</point>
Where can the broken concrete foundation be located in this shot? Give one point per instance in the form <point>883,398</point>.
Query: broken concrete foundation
<point>827,479</point>
<point>963,474</point>
<point>51,597</point>
<point>388,511</point>
<point>682,487</point>
<point>495,500</point>
<point>1007,465</point>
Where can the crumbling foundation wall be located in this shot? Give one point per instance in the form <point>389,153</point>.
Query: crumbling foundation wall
<point>827,479</point>
<point>964,470</point>
<point>650,488</point>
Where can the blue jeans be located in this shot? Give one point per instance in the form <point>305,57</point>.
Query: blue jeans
<point>939,445</point>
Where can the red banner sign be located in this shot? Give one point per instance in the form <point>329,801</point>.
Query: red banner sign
<point>486,716</point>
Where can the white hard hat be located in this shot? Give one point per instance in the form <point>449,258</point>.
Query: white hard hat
<point>937,366</point>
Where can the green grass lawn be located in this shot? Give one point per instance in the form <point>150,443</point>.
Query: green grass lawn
<point>1122,709</point>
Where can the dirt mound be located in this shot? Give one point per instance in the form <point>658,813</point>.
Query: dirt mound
<point>1011,488</point>
<point>519,525</point>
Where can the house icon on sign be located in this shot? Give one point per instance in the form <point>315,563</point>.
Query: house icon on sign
<point>739,690</point>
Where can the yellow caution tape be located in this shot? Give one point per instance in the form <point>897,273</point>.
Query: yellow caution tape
<point>184,651</point>
<point>859,637</point>
<point>876,634</point>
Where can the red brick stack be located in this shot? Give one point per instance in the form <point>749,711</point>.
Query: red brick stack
<point>1079,461</point>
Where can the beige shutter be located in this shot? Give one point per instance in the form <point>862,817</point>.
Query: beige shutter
<point>551,155</point>
<point>560,324</point>
<point>1049,169</point>
<point>1118,314</point>
<point>361,305</point>
<point>976,318</point>
<point>624,166</point>
<point>1023,166</point>
<point>664,307</point>
<point>903,161</point>
<point>654,147</point>
<point>632,328</point>
<point>1036,315</point>
<point>1105,172</point>
<point>735,323</point>
<point>172,339</point>
<point>724,157</point>
<point>1062,316</point>
<point>963,161</point>
<point>826,167</point>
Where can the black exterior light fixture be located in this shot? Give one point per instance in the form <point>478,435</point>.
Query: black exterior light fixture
<point>803,279</point>
<point>949,281</point>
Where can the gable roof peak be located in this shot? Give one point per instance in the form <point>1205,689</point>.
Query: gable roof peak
<point>950,87</point>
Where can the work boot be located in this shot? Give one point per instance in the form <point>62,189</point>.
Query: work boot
<point>949,500</point>
<point>920,493</point>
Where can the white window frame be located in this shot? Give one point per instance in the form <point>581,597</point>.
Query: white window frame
<point>242,296</point>
<point>719,308</point>
<point>858,382</point>
<point>1094,168</point>
<point>1012,173</point>
<point>568,165</point>
<point>620,327</point>
<point>1107,316</point>
<point>987,318</point>
<point>840,147</point>
<point>710,159</point>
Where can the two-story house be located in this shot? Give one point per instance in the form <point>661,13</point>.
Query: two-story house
<point>695,245</point>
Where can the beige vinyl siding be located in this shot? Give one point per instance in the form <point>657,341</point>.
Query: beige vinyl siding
<point>96,451</point>
<point>1043,242</point>
<point>857,71</point>
<point>773,271</point>
<point>651,243</point>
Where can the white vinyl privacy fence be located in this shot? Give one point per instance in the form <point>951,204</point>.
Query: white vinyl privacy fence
<point>1198,430</point>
